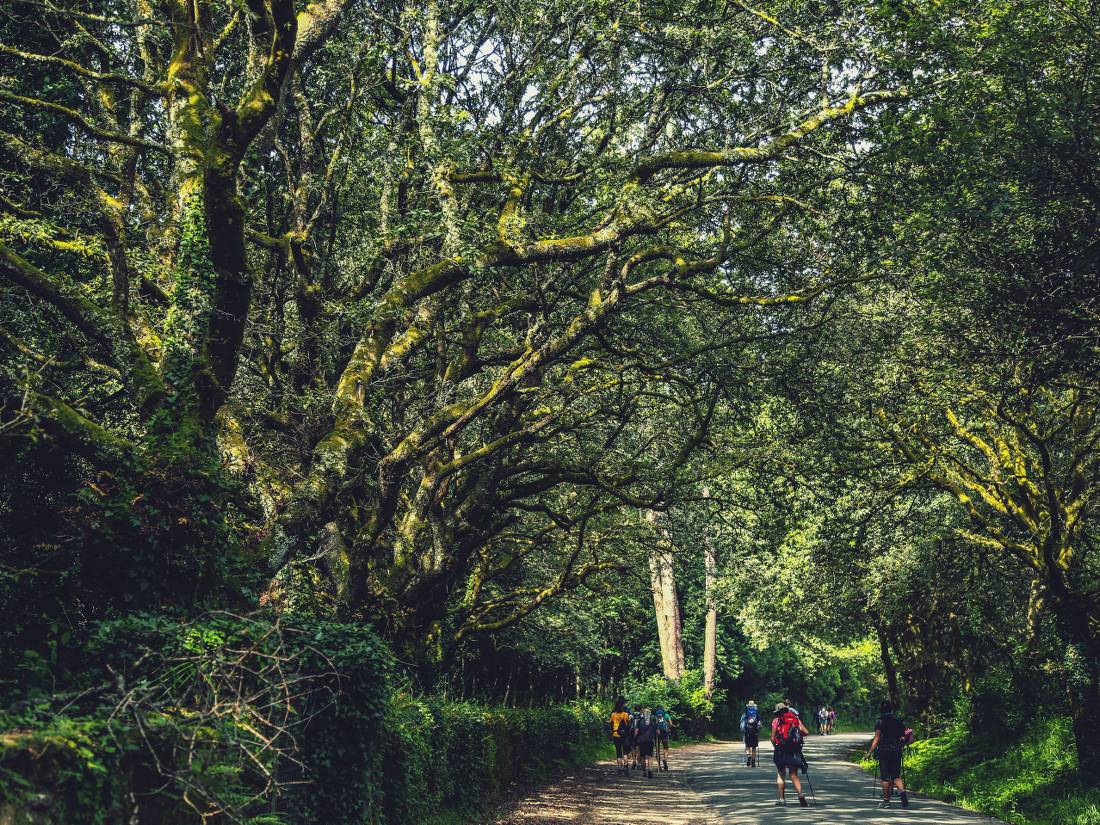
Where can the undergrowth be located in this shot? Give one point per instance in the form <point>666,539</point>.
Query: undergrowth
<point>1029,779</point>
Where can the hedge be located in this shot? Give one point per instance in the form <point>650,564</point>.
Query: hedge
<point>438,759</point>
<point>148,721</point>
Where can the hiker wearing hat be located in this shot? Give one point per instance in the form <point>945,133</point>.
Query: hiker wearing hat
<point>750,728</point>
<point>645,733</point>
<point>788,733</point>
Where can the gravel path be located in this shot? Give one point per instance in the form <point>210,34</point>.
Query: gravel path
<point>710,785</point>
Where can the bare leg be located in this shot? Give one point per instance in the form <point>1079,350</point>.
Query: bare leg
<point>886,791</point>
<point>797,782</point>
<point>780,785</point>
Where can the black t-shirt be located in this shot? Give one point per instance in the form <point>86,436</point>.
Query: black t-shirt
<point>646,732</point>
<point>891,729</point>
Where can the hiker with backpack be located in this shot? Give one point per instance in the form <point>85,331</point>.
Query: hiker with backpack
<point>664,734</point>
<point>822,721</point>
<point>645,732</point>
<point>830,725</point>
<point>788,734</point>
<point>750,728</point>
<point>620,735</point>
<point>891,737</point>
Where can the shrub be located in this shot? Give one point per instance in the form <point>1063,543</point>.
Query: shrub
<point>260,720</point>
<point>440,759</point>
<point>271,722</point>
<point>686,699</point>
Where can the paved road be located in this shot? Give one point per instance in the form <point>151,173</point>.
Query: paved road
<point>710,785</point>
<point>746,796</point>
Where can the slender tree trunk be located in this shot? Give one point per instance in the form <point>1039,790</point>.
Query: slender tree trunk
<point>710,637</point>
<point>888,666</point>
<point>666,606</point>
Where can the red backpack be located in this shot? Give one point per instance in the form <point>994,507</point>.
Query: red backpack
<point>787,733</point>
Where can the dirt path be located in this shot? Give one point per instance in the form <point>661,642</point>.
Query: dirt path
<point>594,795</point>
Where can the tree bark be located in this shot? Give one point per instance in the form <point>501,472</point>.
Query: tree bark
<point>710,637</point>
<point>666,605</point>
<point>1084,703</point>
<point>888,666</point>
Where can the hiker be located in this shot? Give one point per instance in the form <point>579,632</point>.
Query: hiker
<point>830,726</point>
<point>750,727</point>
<point>620,735</point>
<point>644,733</point>
<point>790,706</point>
<point>788,733</point>
<point>822,720</point>
<point>891,737</point>
<point>664,733</point>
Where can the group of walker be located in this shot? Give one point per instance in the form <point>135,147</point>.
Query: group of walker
<point>640,735</point>
<point>788,734</point>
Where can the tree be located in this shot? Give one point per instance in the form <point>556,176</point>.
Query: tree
<point>383,282</point>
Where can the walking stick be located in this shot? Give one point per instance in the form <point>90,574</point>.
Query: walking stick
<point>806,773</point>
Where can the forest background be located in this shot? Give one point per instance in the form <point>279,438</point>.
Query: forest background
<point>385,387</point>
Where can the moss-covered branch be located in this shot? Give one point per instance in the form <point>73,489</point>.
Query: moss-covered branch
<point>85,125</point>
<point>105,331</point>
<point>771,149</point>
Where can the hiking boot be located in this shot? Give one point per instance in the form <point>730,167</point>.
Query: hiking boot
<point>802,801</point>
<point>904,799</point>
<point>666,765</point>
<point>780,802</point>
<point>884,803</point>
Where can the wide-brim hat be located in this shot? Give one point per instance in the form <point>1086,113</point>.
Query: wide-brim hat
<point>752,704</point>
<point>780,706</point>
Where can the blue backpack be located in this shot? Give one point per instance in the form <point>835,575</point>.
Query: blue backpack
<point>752,720</point>
<point>662,722</point>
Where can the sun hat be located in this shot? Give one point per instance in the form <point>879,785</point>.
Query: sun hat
<point>780,706</point>
<point>751,704</point>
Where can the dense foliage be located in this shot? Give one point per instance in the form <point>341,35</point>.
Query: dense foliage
<point>526,353</point>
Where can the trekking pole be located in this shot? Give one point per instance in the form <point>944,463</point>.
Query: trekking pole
<point>806,773</point>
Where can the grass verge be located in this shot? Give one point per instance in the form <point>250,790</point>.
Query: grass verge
<point>1027,780</point>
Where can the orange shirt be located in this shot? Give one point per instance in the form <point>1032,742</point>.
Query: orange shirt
<point>619,724</point>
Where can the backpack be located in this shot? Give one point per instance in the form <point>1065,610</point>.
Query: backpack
<point>787,734</point>
<point>662,723</point>
<point>623,730</point>
<point>752,720</point>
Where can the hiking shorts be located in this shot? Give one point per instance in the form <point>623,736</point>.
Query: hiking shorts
<point>889,764</point>
<point>785,759</point>
<point>752,740</point>
<point>622,747</point>
<point>663,737</point>
<point>645,749</point>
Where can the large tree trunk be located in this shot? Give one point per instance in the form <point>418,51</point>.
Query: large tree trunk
<point>666,605</point>
<point>710,637</point>
<point>1084,703</point>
